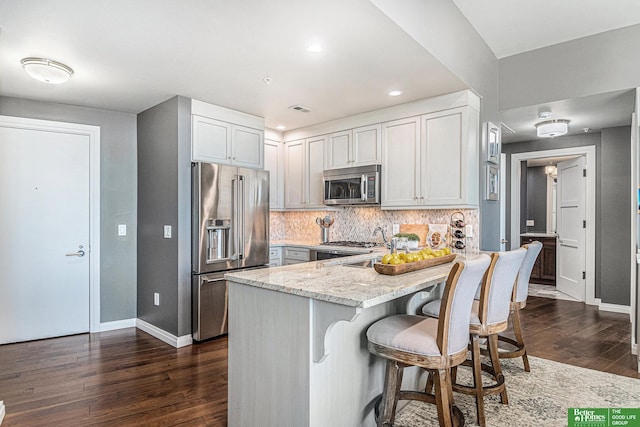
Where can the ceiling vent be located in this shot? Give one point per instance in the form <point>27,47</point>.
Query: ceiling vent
<point>300,108</point>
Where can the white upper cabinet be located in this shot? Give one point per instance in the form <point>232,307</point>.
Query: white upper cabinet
<point>356,147</point>
<point>431,161</point>
<point>274,163</point>
<point>220,135</point>
<point>401,162</point>
<point>304,163</point>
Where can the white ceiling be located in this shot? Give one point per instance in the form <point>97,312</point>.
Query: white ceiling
<point>129,55</point>
<point>514,26</point>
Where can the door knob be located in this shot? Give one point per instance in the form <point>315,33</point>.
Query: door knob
<point>79,254</point>
<point>504,241</point>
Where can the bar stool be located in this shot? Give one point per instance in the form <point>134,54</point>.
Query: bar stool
<point>435,345</point>
<point>518,302</point>
<point>488,317</point>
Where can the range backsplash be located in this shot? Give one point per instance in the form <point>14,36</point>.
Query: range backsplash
<point>358,223</point>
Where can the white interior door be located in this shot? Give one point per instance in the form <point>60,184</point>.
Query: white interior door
<point>570,222</point>
<point>44,224</point>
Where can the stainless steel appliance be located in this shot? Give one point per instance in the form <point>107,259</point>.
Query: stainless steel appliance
<point>230,231</point>
<point>352,186</point>
<point>333,249</point>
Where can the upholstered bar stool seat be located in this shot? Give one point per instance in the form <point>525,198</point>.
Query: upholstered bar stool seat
<point>518,302</point>
<point>488,317</point>
<point>435,345</point>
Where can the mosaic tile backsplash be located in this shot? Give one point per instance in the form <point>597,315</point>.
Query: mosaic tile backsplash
<point>358,223</point>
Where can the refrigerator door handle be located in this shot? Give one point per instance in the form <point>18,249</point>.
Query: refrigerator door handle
<point>241,216</point>
<point>234,217</point>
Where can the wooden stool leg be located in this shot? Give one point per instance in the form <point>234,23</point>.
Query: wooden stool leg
<point>443,397</point>
<point>497,368</point>
<point>429,387</point>
<point>517,329</point>
<point>477,378</point>
<point>392,383</point>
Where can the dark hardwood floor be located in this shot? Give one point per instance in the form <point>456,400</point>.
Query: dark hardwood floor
<point>126,377</point>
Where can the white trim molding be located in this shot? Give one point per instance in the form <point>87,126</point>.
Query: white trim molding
<point>589,151</point>
<point>163,335</point>
<point>117,324</point>
<point>2,411</point>
<point>614,308</point>
<point>93,132</point>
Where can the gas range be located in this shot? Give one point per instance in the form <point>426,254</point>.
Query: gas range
<point>352,244</point>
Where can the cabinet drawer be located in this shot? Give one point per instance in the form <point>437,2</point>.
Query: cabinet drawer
<point>296,254</point>
<point>274,253</point>
<point>292,261</point>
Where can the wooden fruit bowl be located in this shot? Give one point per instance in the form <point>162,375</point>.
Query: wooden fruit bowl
<point>392,270</point>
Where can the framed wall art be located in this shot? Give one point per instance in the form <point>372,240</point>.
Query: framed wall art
<point>493,143</point>
<point>493,183</point>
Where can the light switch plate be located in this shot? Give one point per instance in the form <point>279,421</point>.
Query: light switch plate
<point>167,231</point>
<point>395,229</point>
<point>122,229</point>
<point>468,230</point>
<point>531,223</point>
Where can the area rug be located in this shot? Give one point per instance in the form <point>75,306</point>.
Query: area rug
<point>539,398</point>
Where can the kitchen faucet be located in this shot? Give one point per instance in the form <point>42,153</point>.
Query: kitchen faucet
<point>389,245</point>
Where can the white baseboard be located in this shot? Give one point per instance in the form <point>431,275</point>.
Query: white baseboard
<point>163,335</point>
<point>118,324</point>
<point>614,308</point>
<point>634,348</point>
<point>1,411</point>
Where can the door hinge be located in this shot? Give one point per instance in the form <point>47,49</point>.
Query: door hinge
<point>584,274</point>
<point>584,224</point>
<point>584,172</point>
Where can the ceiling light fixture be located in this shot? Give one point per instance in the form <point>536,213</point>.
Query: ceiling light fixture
<point>281,127</point>
<point>267,80</point>
<point>552,128</point>
<point>396,92</point>
<point>315,47</point>
<point>46,70</point>
<point>543,115</point>
<point>551,170</point>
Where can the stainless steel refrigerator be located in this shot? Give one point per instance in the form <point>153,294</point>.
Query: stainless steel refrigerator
<point>230,225</point>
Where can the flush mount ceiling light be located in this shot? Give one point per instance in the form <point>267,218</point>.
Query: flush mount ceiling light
<point>46,70</point>
<point>552,128</point>
<point>281,127</point>
<point>396,92</point>
<point>315,47</point>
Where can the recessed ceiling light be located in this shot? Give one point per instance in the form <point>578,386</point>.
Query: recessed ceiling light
<point>46,70</point>
<point>315,47</point>
<point>281,127</point>
<point>396,92</point>
<point>267,80</point>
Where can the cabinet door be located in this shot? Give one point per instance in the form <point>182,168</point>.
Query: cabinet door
<point>444,158</point>
<point>338,150</point>
<point>400,162</point>
<point>295,170</point>
<point>211,140</point>
<point>315,166</point>
<point>274,163</point>
<point>367,145</point>
<point>247,147</point>
<point>548,260</point>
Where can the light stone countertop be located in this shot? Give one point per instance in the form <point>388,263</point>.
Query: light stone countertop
<point>316,245</point>
<point>332,281</point>
<point>537,235</point>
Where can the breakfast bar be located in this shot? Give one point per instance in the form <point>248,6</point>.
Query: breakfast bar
<point>297,346</point>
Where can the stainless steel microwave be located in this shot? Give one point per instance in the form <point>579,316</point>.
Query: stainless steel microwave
<point>352,186</point>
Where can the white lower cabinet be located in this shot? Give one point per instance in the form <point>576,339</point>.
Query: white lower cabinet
<point>295,255</point>
<point>275,257</point>
<point>431,161</point>
<point>304,163</point>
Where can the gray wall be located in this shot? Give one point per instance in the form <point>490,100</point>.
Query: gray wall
<point>613,178</point>
<point>441,29</point>
<point>536,200</point>
<point>117,195</point>
<point>163,199</point>
<point>615,216</point>
<point>601,63</point>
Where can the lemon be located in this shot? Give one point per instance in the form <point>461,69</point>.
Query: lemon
<point>447,251</point>
<point>386,259</point>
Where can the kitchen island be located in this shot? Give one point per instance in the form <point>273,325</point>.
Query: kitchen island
<point>297,345</point>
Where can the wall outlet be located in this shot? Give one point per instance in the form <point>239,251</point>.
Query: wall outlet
<point>468,230</point>
<point>167,231</point>
<point>122,229</point>
<point>156,298</point>
<point>395,229</point>
<point>531,223</point>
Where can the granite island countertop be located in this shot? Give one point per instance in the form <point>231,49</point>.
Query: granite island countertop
<point>333,281</point>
